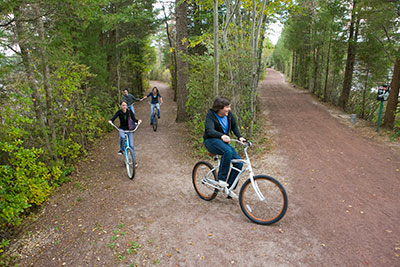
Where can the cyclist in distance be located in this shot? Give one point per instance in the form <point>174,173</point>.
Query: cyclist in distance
<point>156,100</point>
<point>130,99</point>
<point>123,114</point>
<point>219,123</point>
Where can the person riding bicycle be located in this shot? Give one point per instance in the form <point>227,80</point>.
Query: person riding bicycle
<point>156,100</point>
<point>218,124</point>
<point>123,114</point>
<point>130,99</point>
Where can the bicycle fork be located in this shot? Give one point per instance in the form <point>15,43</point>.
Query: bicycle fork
<point>255,186</point>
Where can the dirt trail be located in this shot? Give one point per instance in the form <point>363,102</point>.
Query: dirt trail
<point>102,218</point>
<point>345,187</point>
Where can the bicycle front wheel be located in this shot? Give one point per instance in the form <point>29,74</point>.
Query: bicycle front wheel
<point>202,176</point>
<point>130,163</point>
<point>155,119</point>
<point>263,211</point>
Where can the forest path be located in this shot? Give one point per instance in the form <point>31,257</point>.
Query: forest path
<point>102,218</point>
<point>344,183</point>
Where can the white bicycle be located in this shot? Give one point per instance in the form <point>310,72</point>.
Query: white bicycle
<point>262,198</point>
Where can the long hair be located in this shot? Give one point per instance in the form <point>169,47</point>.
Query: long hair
<point>220,103</point>
<point>156,90</point>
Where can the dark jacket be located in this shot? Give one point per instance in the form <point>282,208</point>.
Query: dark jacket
<point>213,128</point>
<point>123,118</point>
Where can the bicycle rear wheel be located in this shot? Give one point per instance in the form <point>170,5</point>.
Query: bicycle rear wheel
<point>130,163</point>
<point>267,211</point>
<point>202,174</point>
<point>155,119</point>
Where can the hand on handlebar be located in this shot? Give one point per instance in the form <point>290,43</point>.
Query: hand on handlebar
<point>242,139</point>
<point>226,138</point>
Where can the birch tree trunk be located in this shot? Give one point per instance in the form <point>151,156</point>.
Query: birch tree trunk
<point>255,32</point>
<point>216,55</point>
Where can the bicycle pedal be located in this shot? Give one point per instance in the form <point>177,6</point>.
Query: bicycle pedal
<point>223,184</point>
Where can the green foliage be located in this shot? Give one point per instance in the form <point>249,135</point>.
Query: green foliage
<point>24,181</point>
<point>312,50</point>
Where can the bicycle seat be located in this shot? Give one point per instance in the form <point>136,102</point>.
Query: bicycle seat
<point>211,154</point>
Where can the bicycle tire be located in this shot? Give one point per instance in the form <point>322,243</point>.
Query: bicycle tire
<point>200,170</point>
<point>266,212</point>
<point>130,163</point>
<point>155,119</point>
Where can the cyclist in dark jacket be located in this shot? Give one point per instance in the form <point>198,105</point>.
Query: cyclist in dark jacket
<point>219,123</point>
<point>130,99</point>
<point>123,114</point>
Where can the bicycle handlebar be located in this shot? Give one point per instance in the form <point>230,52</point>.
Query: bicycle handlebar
<point>247,142</point>
<point>126,131</point>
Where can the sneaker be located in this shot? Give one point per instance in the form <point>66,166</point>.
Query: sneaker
<point>222,184</point>
<point>159,117</point>
<point>230,193</point>
<point>120,152</point>
<point>136,165</point>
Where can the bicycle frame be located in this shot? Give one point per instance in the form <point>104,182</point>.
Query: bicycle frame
<point>248,167</point>
<point>127,144</point>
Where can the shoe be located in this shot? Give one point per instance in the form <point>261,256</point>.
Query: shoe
<point>120,152</point>
<point>222,184</point>
<point>158,117</point>
<point>151,123</point>
<point>230,193</point>
<point>136,165</point>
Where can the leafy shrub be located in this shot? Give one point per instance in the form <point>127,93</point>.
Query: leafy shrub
<point>23,182</point>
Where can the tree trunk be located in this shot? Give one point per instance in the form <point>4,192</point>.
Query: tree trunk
<point>315,82</point>
<point>46,76</point>
<point>292,79</point>
<point>182,65</point>
<point>28,64</point>
<point>391,106</point>
<point>327,69</point>
<point>351,55</point>
<point>118,63</point>
<point>255,32</point>
<point>173,57</point>
<point>216,55</point>
<point>363,96</point>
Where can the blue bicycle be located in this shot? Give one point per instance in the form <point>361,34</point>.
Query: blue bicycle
<point>129,154</point>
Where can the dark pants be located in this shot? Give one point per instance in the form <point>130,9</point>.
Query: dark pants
<point>217,146</point>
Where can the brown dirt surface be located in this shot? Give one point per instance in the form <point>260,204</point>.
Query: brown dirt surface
<point>343,187</point>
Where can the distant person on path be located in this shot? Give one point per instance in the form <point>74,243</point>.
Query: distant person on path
<point>156,101</point>
<point>219,123</point>
<point>130,99</point>
<point>123,114</point>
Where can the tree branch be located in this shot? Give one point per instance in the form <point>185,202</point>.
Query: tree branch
<point>12,49</point>
<point>384,49</point>
<point>387,34</point>
<point>8,23</point>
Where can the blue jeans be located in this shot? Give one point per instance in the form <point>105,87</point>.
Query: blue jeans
<point>122,142</point>
<point>219,147</point>
<point>151,110</point>
<point>131,107</point>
